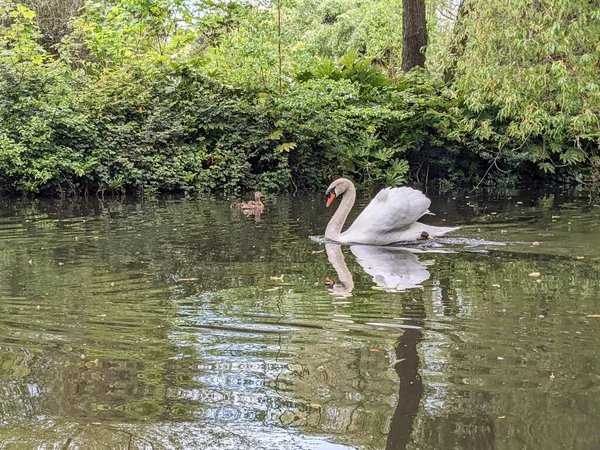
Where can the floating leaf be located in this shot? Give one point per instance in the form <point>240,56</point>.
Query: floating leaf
<point>392,365</point>
<point>534,274</point>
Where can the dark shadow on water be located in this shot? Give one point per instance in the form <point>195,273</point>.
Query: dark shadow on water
<point>411,386</point>
<point>473,429</point>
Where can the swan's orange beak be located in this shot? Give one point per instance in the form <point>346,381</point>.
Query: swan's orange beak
<point>330,199</point>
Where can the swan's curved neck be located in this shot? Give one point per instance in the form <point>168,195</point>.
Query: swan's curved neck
<point>334,227</point>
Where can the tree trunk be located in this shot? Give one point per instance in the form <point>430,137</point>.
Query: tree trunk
<point>414,34</point>
<point>459,41</point>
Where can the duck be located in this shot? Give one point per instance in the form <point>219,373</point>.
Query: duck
<point>390,218</point>
<point>255,205</point>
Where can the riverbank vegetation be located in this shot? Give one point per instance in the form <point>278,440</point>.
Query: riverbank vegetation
<point>176,96</point>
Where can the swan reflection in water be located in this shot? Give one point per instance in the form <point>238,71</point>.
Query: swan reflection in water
<point>393,269</point>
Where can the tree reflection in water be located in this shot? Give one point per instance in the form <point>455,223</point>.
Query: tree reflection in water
<point>395,270</point>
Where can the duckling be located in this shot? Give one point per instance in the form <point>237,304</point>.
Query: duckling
<point>257,204</point>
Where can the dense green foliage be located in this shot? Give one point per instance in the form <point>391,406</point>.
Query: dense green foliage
<point>166,95</point>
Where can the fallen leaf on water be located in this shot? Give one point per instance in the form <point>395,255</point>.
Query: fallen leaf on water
<point>596,316</point>
<point>374,350</point>
<point>534,274</point>
<point>519,203</point>
<point>535,244</point>
<point>501,417</point>
<point>76,238</point>
<point>30,262</point>
<point>495,285</point>
<point>179,280</point>
<point>112,283</point>
<point>37,307</point>
<point>392,365</point>
<point>503,231</point>
<point>321,368</point>
<point>82,356</point>
<point>556,217</point>
<point>315,406</point>
<point>173,358</point>
<point>538,281</point>
<point>279,278</point>
<point>579,257</point>
<point>96,238</point>
<point>315,252</point>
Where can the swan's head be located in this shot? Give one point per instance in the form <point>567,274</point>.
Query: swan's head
<point>337,188</point>
<point>258,196</point>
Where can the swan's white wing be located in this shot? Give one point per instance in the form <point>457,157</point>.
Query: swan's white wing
<point>391,210</point>
<point>393,269</point>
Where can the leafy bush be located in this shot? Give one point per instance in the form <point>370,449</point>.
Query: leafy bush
<point>152,97</point>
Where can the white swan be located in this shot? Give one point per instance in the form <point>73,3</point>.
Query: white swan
<point>390,218</point>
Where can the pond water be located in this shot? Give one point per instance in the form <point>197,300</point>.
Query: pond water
<point>185,324</point>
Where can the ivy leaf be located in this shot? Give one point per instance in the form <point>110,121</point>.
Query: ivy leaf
<point>286,147</point>
<point>275,135</point>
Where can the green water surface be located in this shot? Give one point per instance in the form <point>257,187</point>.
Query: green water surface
<point>186,324</point>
